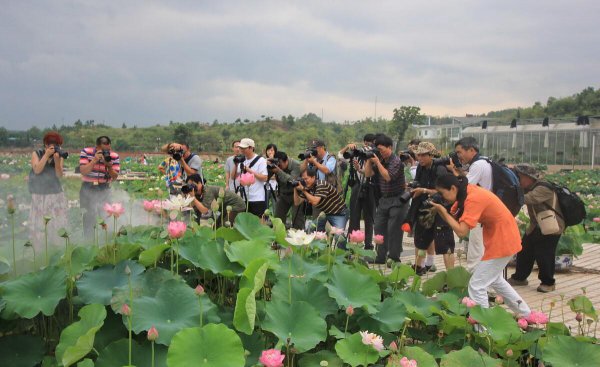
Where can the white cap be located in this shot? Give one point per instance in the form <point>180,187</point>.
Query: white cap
<point>246,142</point>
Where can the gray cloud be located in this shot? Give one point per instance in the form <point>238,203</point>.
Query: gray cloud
<point>147,62</point>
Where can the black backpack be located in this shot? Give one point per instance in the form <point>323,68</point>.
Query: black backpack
<point>505,184</point>
<point>571,206</point>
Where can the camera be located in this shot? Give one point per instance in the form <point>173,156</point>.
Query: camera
<point>176,154</point>
<point>272,163</point>
<point>406,155</point>
<point>106,155</point>
<point>436,198</point>
<point>406,195</point>
<point>452,157</point>
<point>240,158</point>
<point>295,183</point>
<point>310,152</point>
<point>61,152</point>
<point>188,188</point>
<point>363,153</point>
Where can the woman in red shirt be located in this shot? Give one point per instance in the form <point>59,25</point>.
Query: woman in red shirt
<point>501,237</point>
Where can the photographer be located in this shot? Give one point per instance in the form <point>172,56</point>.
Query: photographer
<point>478,172</point>
<point>431,233</point>
<point>230,183</point>
<point>320,194</point>
<point>271,184</point>
<point>362,197</point>
<point>287,172</point>
<point>391,211</point>
<point>191,162</point>
<point>47,196</point>
<point>257,166</point>
<point>171,169</point>
<point>204,196</point>
<point>325,164</point>
<point>99,166</point>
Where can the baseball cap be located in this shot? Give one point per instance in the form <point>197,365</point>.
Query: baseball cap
<point>246,142</point>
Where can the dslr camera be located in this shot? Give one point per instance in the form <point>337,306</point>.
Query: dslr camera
<point>435,198</point>
<point>176,154</point>
<point>63,154</point>
<point>452,157</point>
<point>295,183</point>
<point>240,158</point>
<point>406,155</point>
<point>310,152</point>
<point>106,155</point>
<point>188,188</point>
<point>363,153</point>
<point>272,163</point>
<point>406,195</point>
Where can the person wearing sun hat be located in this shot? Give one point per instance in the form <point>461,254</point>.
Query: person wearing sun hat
<point>538,246</point>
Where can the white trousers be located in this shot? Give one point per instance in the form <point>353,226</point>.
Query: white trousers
<point>475,247</point>
<point>488,273</point>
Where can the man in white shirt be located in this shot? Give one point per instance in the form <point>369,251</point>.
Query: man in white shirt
<point>230,183</point>
<point>479,172</point>
<point>257,166</point>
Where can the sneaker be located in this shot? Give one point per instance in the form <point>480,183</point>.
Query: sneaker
<point>420,270</point>
<point>431,268</point>
<point>515,282</point>
<point>543,288</point>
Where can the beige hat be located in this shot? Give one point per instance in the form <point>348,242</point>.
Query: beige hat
<point>425,147</point>
<point>246,142</point>
<point>528,170</point>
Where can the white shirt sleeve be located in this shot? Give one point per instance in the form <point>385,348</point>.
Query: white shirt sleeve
<point>480,173</point>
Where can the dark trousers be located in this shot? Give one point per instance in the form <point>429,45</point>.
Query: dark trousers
<point>284,203</point>
<point>91,202</point>
<point>388,220</point>
<point>541,249</point>
<point>362,205</point>
<point>257,208</point>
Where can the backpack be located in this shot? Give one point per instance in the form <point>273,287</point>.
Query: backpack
<point>571,206</point>
<point>333,178</point>
<point>506,186</point>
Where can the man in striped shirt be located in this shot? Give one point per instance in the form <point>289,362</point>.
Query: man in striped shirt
<point>321,195</point>
<point>99,166</point>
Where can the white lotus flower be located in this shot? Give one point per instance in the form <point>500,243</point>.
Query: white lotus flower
<point>298,237</point>
<point>179,203</point>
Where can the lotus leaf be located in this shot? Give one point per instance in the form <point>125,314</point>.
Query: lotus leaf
<point>244,252</point>
<point>82,258</point>
<point>116,354</point>
<point>311,360</point>
<point>434,284</point>
<point>145,284</point>
<point>32,293</point>
<point>500,324</point>
<point>299,321</point>
<point>4,266</point>
<point>250,227</point>
<point>352,351</point>
<point>229,234</point>
<point>458,278</point>
<point>302,268</point>
<point>153,254</point>
<point>210,255</point>
<point>96,286</point>
<point>583,305</point>
<point>423,358</point>
<point>245,310</point>
<point>390,314</point>
<point>77,339</point>
<point>468,357</point>
<point>86,363</point>
<point>306,290</point>
<point>567,351</point>
<point>213,345</point>
<point>351,289</point>
<point>174,307</point>
<point>21,350</point>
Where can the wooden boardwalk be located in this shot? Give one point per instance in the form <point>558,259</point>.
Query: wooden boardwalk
<point>585,274</point>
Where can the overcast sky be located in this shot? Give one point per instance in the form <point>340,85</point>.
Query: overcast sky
<point>148,62</point>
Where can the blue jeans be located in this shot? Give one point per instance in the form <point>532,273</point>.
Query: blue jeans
<point>335,220</point>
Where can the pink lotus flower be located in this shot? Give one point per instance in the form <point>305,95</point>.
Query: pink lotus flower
<point>378,239</point>
<point>468,302</point>
<point>115,209</point>
<point>176,229</point>
<point>125,310</point>
<point>272,358</point>
<point>471,320</point>
<point>148,205</point>
<point>536,317</point>
<point>393,346</point>
<point>597,220</point>
<point>199,290</point>
<point>523,324</point>
<point>499,299</point>
<point>357,236</point>
<point>350,310</point>
<point>247,179</point>
<point>320,235</point>
<point>152,334</point>
<point>509,353</point>
<point>372,339</point>
<point>405,362</point>
<point>337,231</point>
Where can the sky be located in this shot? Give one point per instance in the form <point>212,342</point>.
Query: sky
<point>150,62</point>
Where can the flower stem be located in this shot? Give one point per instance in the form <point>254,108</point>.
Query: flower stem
<point>201,311</point>
<point>177,256</point>
<point>129,327</point>
<point>153,353</point>
<point>12,225</point>
<point>346,327</point>
<point>46,240</point>
<point>290,279</point>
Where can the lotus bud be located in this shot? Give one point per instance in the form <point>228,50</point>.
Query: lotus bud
<point>152,334</point>
<point>393,346</point>
<point>125,310</point>
<point>199,290</point>
<point>509,352</point>
<point>10,205</point>
<point>499,299</point>
<point>228,208</point>
<point>350,310</point>
<point>214,205</point>
<point>579,317</point>
<point>210,221</point>
<point>322,215</point>
<point>47,219</point>
<point>267,212</point>
<point>221,193</point>
<point>227,224</point>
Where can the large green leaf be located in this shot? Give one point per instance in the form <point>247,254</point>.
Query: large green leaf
<point>434,284</point>
<point>229,234</point>
<point>145,284</point>
<point>116,354</point>
<point>352,351</point>
<point>82,258</point>
<point>351,289</point>
<point>253,345</point>
<point>208,254</point>
<point>312,360</point>
<point>418,306</point>
<point>4,266</point>
<point>212,345</point>
<point>97,286</point>
<point>36,292</point>
<point>423,358</point>
<point>21,350</point>
<point>302,268</point>
<point>244,252</point>
<point>468,357</point>
<point>307,290</point>
<point>401,274</point>
<point>123,252</point>
<point>153,254</point>
<point>500,324</point>
<point>145,236</point>
<point>174,307</point>
<point>582,304</point>
<point>568,351</point>
<point>77,339</point>
<point>254,275</point>
<point>86,363</point>
<point>458,278</point>
<point>390,314</point>
<point>280,231</point>
<point>299,321</point>
<point>251,228</point>
<point>244,316</point>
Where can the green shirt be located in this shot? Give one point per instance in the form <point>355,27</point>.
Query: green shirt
<point>231,199</point>
<point>291,173</point>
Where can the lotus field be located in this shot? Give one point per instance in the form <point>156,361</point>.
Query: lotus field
<point>153,288</point>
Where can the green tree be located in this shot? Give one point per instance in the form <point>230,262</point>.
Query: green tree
<point>403,117</point>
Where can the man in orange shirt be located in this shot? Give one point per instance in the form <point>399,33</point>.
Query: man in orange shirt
<point>501,237</point>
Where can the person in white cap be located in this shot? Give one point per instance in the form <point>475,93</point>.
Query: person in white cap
<point>257,166</point>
